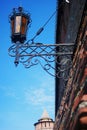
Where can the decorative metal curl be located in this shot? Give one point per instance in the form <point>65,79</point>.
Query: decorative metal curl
<point>46,55</point>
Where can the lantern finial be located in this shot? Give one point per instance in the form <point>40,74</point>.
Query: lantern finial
<point>20,9</point>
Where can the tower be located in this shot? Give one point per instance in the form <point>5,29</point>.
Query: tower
<point>45,122</point>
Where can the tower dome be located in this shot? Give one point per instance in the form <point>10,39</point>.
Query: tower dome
<point>45,116</point>
<point>45,122</point>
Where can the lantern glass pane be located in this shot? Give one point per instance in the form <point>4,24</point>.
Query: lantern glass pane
<point>24,25</point>
<point>17,24</point>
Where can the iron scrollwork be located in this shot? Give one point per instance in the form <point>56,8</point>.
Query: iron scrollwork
<point>32,54</point>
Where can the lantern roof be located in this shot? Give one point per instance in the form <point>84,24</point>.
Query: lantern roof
<point>19,10</point>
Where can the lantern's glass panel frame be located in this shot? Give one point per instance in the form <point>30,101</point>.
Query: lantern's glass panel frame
<point>19,25</point>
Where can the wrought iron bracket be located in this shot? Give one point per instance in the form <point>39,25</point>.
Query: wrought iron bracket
<point>47,55</point>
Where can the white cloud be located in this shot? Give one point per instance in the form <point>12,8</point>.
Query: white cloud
<point>38,97</point>
<point>41,94</point>
<point>36,94</point>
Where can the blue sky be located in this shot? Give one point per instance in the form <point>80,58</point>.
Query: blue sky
<point>25,93</point>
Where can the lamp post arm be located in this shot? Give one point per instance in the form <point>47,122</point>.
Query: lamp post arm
<point>44,54</point>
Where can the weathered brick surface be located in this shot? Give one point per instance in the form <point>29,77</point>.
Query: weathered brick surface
<point>67,115</point>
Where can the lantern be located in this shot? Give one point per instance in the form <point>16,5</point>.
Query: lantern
<point>19,21</point>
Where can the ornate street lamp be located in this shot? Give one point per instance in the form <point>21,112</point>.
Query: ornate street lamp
<point>19,21</point>
<point>30,53</point>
